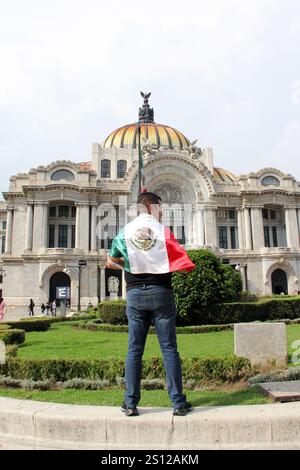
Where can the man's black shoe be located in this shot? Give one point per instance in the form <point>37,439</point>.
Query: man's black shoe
<point>183,411</point>
<point>129,411</point>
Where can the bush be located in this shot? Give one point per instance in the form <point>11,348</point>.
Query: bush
<point>211,282</point>
<point>32,324</point>
<point>292,373</point>
<point>113,312</point>
<point>4,326</point>
<point>93,326</point>
<point>246,296</point>
<point>86,384</point>
<point>225,369</point>
<point>12,336</point>
<point>11,350</point>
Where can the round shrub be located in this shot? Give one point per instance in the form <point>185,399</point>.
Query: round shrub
<point>113,312</point>
<point>12,336</point>
<point>211,282</point>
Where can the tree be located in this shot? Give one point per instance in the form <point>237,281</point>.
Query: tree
<point>211,282</point>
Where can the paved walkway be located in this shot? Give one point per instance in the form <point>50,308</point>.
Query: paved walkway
<point>37,425</point>
<point>22,312</point>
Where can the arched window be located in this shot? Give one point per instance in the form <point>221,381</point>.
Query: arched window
<point>121,168</point>
<point>270,181</point>
<point>62,175</point>
<point>105,169</point>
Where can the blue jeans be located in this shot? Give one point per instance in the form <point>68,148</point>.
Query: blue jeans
<point>145,304</point>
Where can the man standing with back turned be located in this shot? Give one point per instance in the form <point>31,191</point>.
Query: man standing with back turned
<point>149,253</point>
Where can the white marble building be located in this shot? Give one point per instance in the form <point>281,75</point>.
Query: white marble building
<point>55,215</point>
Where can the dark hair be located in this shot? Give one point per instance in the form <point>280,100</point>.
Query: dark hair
<point>1,299</point>
<point>148,198</point>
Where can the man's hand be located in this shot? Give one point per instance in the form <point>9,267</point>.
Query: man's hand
<point>115,263</point>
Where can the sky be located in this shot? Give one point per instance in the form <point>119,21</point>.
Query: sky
<point>225,72</point>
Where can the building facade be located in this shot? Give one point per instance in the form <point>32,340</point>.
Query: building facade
<point>55,215</point>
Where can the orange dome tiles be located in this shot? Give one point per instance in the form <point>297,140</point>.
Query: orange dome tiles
<point>224,176</point>
<point>158,134</point>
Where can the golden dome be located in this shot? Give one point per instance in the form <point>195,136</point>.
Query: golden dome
<point>224,176</point>
<point>159,135</point>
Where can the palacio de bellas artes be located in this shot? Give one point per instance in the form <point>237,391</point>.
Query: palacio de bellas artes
<point>55,215</point>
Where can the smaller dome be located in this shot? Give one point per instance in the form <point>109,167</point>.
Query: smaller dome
<point>224,176</point>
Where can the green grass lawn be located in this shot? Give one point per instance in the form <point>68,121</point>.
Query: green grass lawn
<point>157,398</point>
<point>66,342</point>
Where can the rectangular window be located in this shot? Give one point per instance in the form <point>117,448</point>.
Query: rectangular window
<point>63,211</point>
<point>180,234</point>
<point>62,236</point>
<point>52,211</point>
<point>273,214</point>
<point>265,214</point>
<point>223,238</point>
<point>274,233</point>
<point>51,236</point>
<point>3,244</point>
<point>4,225</point>
<point>1,279</point>
<point>232,214</point>
<point>221,214</point>
<point>267,236</point>
<point>73,211</point>
<point>73,236</point>
<point>232,238</point>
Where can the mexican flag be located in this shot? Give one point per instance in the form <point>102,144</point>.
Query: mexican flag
<point>147,246</point>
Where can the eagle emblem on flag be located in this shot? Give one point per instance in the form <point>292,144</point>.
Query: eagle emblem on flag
<point>143,238</point>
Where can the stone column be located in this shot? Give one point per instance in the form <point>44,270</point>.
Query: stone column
<point>298,218</point>
<point>198,226</point>
<point>9,224</point>
<point>45,226</point>
<point>210,226</point>
<point>188,224</point>
<point>195,227</point>
<point>240,229</point>
<point>248,240</point>
<point>201,226</point>
<point>292,232</point>
<point>82,231</point>
<point>29,227</point>
<point>77,227</point>
<point>102,285</point>
<point>93,228</point>
<point>257,228</point>
<point>38,238</point>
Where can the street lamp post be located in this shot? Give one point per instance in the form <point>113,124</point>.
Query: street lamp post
<point>77,268</point>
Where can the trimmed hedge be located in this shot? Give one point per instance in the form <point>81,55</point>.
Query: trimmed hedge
<point>12,336</point>
<point>93,326</point>
<point>35,324</point>
<point>220,369</point>
<point>277,309</point>
<point>4,326</point>
<point>42,324</point>
<point>113,312</point>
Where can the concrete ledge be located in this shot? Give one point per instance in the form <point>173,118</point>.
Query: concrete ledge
<point>37,425</point>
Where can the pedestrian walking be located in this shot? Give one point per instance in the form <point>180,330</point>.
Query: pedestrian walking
<point>149,252</point>
<point>31,306</point>
<point>53,308</point>
<point>2,308</point>
<point>43,308</point>
<point>47,308</point>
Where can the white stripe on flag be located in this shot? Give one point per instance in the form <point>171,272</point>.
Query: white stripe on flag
<point>154,260</point>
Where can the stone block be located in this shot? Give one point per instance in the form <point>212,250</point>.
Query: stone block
<point>261,342</point>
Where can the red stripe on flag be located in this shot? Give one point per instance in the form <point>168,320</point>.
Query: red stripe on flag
<point>178,259</point>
